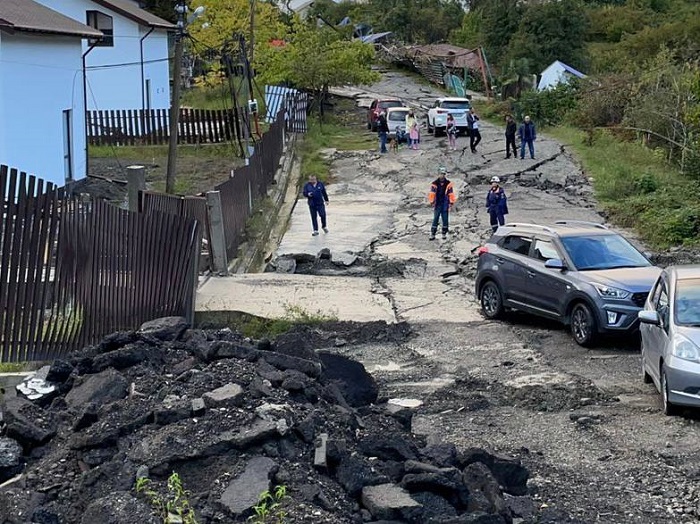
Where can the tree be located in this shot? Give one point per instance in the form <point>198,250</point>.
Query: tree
<point>225,18</point>
<point>552,31</point>
<point>500,22</point>
<point>315,59</point>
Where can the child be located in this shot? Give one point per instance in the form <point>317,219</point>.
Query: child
<point>412,130</point>
<point>452,132</point>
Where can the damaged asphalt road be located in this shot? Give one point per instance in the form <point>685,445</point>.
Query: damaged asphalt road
<point>593,435</point>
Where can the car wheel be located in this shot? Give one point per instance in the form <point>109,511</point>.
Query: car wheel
<point>583,327</point>
<point>669,408</point>
<point>430,129</point>
<point>646,377</point>
<point>491,300</point>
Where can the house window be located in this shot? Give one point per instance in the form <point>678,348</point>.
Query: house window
<point>104,23</point>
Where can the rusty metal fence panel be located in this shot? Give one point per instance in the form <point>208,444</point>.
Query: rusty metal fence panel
<point>72,271</point>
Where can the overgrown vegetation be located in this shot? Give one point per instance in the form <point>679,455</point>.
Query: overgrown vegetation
<point>173,505</point>
<point>637,187</point>
<point>259,327</point>
<point>269,508</point>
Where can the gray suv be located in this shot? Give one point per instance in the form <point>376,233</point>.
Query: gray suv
<point>579,273</point>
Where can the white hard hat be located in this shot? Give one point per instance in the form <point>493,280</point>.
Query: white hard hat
<point>495,179</point>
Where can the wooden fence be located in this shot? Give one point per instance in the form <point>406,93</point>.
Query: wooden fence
<point>152,127</point>
<point>72,271</point>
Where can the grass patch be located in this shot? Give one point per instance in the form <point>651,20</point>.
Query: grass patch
<point>637,188</point>
<point>226,151</point>
<point>13,367</point>
<point>258,327</point>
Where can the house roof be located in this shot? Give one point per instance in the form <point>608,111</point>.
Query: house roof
<point>568,68</point>
<point>30,16</point>
<point>132,11</point>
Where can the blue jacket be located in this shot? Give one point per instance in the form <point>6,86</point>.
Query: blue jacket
<point>527,131</point>
<point>317,193</point>
<point>496,201</point>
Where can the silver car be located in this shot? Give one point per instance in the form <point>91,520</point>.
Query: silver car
<point>670,327</point>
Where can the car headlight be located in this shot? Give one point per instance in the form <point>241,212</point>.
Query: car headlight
<point>611,292</point>
<point>685,349</point>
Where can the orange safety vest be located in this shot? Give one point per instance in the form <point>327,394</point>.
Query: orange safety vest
<point>449,193</point>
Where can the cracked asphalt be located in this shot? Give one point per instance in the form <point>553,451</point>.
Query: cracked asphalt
<point>595,439</point>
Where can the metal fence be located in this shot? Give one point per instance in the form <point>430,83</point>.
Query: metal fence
<point>151,127</point>
<point>250,182</point>
<point>73,270</point>
<point>186,206</point>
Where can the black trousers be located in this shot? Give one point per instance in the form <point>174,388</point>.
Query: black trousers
<point>474,139</point>
<point>510,142</point>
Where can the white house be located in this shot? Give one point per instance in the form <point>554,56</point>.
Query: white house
<point>557,73</point>
<point>129,68</point>
<point>42,118</point>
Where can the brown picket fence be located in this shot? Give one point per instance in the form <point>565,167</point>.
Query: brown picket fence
<point>128,127</point>
<point>73,270</point>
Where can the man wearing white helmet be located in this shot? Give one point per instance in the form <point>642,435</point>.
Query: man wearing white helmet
<point>497,203</point>
<point>441,197</point>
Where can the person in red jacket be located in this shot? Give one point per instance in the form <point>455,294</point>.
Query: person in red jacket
<point>441,197</point>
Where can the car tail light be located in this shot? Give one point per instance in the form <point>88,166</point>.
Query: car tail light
<point>442,111</point>
<point>482,250</point>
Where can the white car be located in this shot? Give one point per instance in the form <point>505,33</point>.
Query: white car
<point>437,115</point>
<point>396,118</point>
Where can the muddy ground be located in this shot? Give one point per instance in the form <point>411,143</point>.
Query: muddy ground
<point>199,168</point>
<point>590,431</point>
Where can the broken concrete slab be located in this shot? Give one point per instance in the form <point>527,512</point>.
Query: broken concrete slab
<point>343,298</point>
<point>10,458</point>
<point>343,258</point>
<point>224,395</point>
<point>165,329</point>
<point>27,423</point>
<point>321,452</point>
<point>102,388</point>
<point>244,491</point>
<point>389,501</point>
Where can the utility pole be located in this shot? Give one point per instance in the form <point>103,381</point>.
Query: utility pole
<point>246,111</point>
<point>170,174</point>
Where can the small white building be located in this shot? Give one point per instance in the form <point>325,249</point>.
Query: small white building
<point>129,68</point>
<point>557,73</point>
<point>42,118</point>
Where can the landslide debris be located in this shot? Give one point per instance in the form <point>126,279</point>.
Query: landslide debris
<point>233,419</point>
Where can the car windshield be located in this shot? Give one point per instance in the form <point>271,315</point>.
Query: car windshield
<point>398,116</point>
<point>602,252</point>
<point>454,104</point>
<point>385,104</point>
<point>687,302</point>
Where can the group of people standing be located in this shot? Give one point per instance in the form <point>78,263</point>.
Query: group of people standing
<point>441,196</point>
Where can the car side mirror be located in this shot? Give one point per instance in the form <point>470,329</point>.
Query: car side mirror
<point>649,317</point>
<point>555,263</point>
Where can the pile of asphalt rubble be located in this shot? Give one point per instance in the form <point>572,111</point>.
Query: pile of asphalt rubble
<point>234,418</point>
